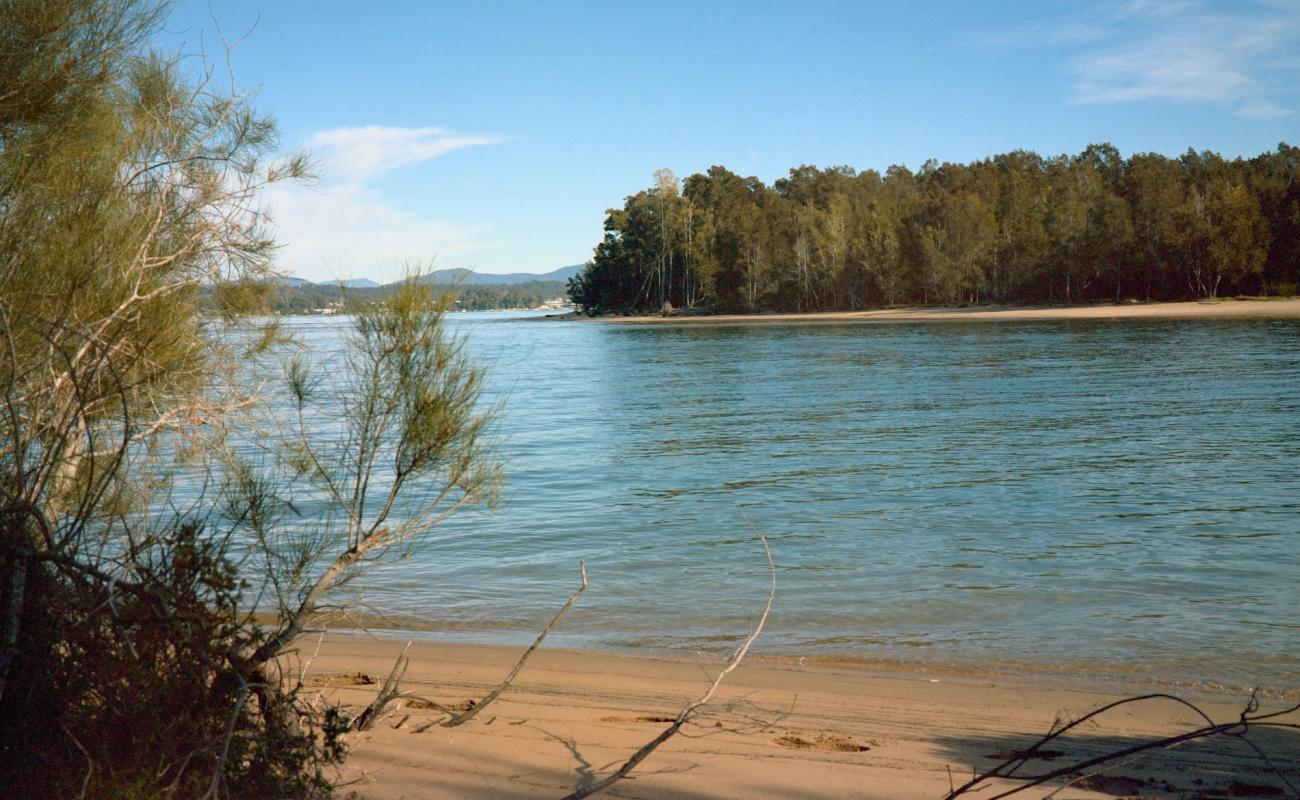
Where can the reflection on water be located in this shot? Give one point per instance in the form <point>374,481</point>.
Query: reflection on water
<point>1119,493</point>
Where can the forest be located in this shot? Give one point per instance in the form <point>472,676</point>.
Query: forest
<point>1016,228</point>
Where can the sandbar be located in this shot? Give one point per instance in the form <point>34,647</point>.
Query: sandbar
<point>1204,309</point>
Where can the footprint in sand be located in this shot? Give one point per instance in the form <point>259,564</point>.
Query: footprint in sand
<point>355,679</point>
<point>833,742</point>
<point>638,719</point>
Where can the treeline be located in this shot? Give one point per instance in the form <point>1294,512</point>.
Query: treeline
<point>529,294</point>
<point>1015,228</point>
<point>308,298</point>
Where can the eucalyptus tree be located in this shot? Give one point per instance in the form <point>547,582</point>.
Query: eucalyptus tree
<point>1155,191</point>
<point>1020,254</point>
<point>666,195</point>
<point>957,237</point>
<point>1274,180</point>
<point>1013,228</point>
<point>1239,236</point>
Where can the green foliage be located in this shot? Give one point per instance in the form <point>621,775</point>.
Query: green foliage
<point>1017,228</point>
<point>123,688</point>
<point>126,664</point>
<point>407,444</point>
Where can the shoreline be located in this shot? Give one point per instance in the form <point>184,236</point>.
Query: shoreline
<point>1192,309</point>
<point>1168,672</point>
<point>776,729</point>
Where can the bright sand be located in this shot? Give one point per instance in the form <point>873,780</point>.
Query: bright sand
<point>1206,309</point>
<point>777,729</point>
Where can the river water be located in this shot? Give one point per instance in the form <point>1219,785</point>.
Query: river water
<point>1090,497</point>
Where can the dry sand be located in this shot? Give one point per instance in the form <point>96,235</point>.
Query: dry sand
<point>1207,309</point>
<point>778,729</point>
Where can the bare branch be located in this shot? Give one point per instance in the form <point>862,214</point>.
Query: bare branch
<point>1009,768</point>
<point>386,695</point>
<point>225,745</point>
<point>688,711</point>
<point>472,711</point>
<point>90,763</point>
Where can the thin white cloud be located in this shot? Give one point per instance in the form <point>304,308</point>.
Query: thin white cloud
<point>1238,56</point>
<point>345,227</point>
<point>1184,67</point>
<point>1263,110</point>
<point>1056,33</point>
<point>1156,8</point>
<point>362,153</point>
<point>350,231</point>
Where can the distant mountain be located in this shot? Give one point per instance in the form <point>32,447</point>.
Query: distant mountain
<point>288,280</point>
<point>350,283</point>
<point>467,277</point>
<point>458,277</point>
<point>561,274</point>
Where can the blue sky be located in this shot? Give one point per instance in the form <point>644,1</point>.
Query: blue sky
<point>494,135</point>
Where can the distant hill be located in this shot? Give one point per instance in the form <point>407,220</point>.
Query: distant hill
<point>473,292</point>
<point>467,277</point>
<point>350,283</point>
<point>289,280</point>
<point>458,277</point>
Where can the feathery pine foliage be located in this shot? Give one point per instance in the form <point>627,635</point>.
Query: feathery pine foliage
<point>131,661</point>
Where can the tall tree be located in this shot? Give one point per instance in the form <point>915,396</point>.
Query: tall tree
<point>1238,236</point>
<point>1013,228</point>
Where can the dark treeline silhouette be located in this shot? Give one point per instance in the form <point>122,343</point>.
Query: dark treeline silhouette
<point>1015,228</point>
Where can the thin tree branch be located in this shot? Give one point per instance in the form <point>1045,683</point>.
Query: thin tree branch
<point>225,744</point>
<point>1007,769</point>
<point>689,710</point>
<point>472,711</point>
<point>386,694</point>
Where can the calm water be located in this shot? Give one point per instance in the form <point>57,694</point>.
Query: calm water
<point>1097,496</point>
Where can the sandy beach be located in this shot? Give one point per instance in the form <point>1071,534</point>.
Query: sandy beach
<point>1205,309</point>
<point>778,729</point>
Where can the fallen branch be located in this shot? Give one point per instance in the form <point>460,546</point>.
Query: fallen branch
<point>1009,769</point>
<point>215,786</point>
<point>386,695</point>
<point>90,762</point>
<point>688,711</point>
<point>469,713</point>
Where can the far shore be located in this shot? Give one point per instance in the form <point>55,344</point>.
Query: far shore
<point>1201,309</point>
<point>777,729</point>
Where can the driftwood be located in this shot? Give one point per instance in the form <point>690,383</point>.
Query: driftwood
<point>1010,768</point>
<point>689,710</point>
<point>469,713</point>
<point>389,692</point>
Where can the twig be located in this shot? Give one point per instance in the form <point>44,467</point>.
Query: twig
<point>302,674</point>
<point>225,745</point>
<point>688,711</point>
<point>1238,728</point>
<point>469,713</point>
<point>386,694</point>
<point>90,762</point>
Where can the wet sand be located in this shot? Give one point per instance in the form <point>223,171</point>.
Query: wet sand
<point>777,729</point>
